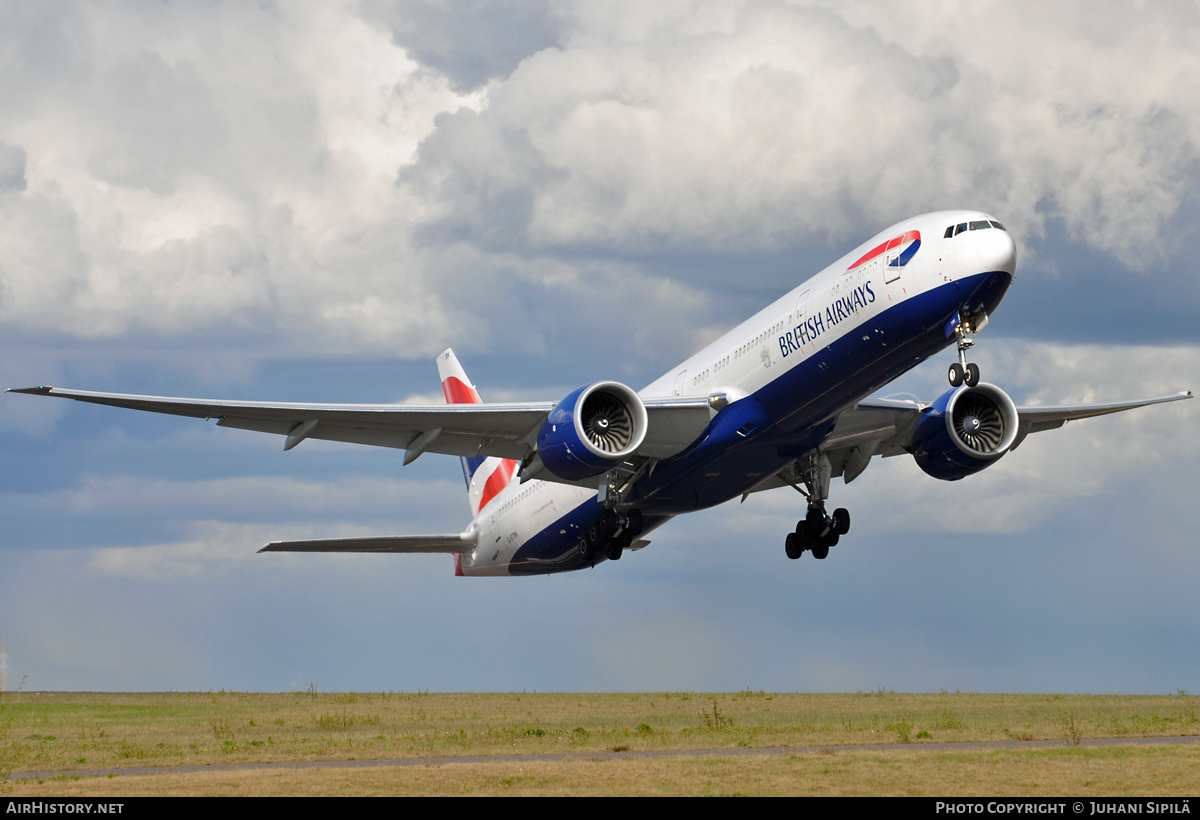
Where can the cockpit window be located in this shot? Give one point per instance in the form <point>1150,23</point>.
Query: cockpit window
<point>980,225</point>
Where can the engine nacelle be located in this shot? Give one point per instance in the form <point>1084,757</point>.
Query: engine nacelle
<point>592,430</point>
<point>965,430</point>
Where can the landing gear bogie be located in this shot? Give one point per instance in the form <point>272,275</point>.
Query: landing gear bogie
<point>610,534</point>
<point>817,531</point>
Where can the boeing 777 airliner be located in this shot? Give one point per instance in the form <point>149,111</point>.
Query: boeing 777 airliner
<point>779,401</point>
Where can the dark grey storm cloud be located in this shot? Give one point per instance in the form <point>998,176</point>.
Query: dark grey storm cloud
<point>470,41</point>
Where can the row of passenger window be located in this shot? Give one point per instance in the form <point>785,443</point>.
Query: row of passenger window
<point>981,225</point>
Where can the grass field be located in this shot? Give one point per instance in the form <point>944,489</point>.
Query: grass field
<point>60,732</point>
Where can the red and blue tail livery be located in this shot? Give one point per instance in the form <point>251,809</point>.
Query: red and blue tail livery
<point>485,477</point>
<point>781,401</point>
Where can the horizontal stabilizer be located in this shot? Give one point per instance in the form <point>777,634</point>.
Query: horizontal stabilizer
<point>385,543</point>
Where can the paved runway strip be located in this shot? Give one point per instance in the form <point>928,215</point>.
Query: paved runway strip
<point>554,758</point>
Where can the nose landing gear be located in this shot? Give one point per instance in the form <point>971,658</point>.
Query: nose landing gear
<point>962,370</point>
<point>817,531</point>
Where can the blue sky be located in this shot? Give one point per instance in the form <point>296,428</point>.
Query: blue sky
<point>309,201</point>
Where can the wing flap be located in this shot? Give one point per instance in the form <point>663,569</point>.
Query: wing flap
<point>673,425</point>
<point>876,426</point>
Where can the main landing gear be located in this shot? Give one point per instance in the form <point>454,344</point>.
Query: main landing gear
<point>611,533</point>
<point>817,531</point>
<point>962,371</point>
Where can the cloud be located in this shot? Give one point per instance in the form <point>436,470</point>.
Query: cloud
<point>12,168</point>
<point>322,179</point>
<point>225,180</point>
<point>244,496</point>
<point>217,548</point>
<point>777,124</point>
<point>470,41</point>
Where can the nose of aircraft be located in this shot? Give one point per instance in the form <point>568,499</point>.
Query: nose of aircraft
<point>997,251</point>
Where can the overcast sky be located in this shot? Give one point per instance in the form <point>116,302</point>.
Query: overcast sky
<point>308,201</point>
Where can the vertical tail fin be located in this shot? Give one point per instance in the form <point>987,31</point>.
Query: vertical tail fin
<point>485,477</point>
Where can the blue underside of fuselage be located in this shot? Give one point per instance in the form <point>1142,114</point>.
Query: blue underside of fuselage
<point>801,406</point>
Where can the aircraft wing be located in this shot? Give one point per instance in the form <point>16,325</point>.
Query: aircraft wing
<point>883,427</point>
<point>1036,419</point>
<point>391,543</point>
<point>507,430</point>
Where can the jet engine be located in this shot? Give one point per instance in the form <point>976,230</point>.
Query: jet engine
<point>592,430</point>
<point>965,430</point>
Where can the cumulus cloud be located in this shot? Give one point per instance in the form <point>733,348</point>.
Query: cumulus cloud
<point>379,177</point>
<point>211,170</point>
<point>773,124</point>
<point>216,549</point>
<point>470,41</point>
<point>12,168</point>
<point>245,496</point>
